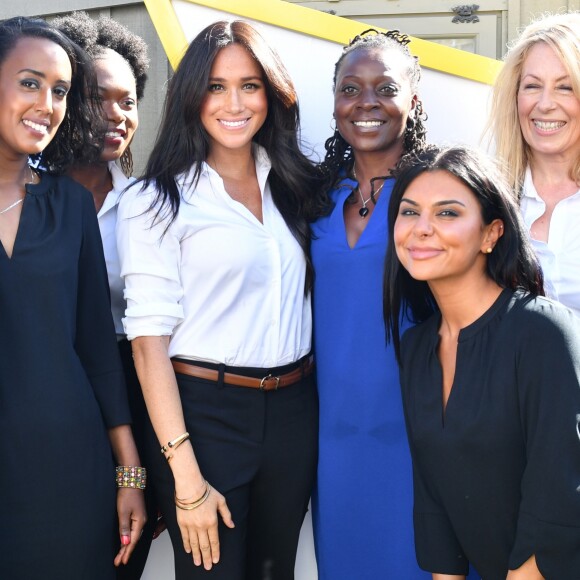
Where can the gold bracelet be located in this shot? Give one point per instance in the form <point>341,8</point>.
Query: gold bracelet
<point>175,443</point>
<point>131,476</point>
<point>188,506</point>
<point>185,500</point>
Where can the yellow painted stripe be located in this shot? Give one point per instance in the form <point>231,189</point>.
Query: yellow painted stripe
<point>168,29</point>
<point>327,27</point>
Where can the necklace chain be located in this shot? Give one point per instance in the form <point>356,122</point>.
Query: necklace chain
<point>12,205</point>
<point>364,211</point>
<point>18,201</point>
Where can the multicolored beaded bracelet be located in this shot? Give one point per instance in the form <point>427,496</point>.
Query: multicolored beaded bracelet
<point>130,476</point>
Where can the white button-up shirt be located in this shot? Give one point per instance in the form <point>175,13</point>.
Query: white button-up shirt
<point>560,256</point>
<point>107,217</point>
<point>227,288</point>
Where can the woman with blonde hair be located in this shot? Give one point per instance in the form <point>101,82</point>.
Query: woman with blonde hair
<point>535,120</point>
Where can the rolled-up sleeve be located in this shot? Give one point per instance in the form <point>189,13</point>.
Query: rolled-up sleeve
<point>149,253</point>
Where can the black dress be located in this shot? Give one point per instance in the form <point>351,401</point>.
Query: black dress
<point>61,387</point>
<point>496,475</point>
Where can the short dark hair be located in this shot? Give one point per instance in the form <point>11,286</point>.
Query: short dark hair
<point>512,264</point>
<point>79,135</point>
<point>94,36</point>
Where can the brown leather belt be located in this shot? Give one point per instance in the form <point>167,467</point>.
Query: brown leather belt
<point>267,383</point>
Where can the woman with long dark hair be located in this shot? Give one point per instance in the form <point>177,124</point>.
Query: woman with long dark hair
<point>214,252</point>
<point>490,376</point>
<point>62,396</point>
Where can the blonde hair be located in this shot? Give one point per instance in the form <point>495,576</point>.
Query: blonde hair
<point>562,33</point>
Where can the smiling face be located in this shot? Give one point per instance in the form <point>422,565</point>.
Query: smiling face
<point>35,78</point>
<point>372,100</point>
<point>236,104</point>
<point>439,232</point>
<point>548,109</point>
<point>118,96</point>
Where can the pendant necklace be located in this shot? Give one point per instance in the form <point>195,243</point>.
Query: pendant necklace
<point>19,201</point>
<point>364,210</point>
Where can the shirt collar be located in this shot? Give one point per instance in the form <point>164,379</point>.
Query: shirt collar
<point>120,182</point>
<point>529,190</point>
<point>263,167</point>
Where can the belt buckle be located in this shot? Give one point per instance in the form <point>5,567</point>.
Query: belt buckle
<point>263,386</point>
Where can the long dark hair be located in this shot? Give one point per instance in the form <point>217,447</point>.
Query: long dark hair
<point>512,264</point>
<point>339,158</point>
<point>80,133</point>
<point>182,140</point>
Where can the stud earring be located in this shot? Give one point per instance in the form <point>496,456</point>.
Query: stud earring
<point>489,250</point>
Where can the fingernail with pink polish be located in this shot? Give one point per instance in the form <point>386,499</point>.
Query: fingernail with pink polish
<point>125,540</point>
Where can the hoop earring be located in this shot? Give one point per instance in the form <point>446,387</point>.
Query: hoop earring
<point>127,162</point>
<point>333,121</point>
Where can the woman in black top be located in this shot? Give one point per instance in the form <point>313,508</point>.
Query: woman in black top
<point>63,403</point>
<point>490,378</point>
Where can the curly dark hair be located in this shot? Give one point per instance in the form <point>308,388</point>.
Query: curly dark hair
<point>95,36</point>
<point>339,156</point>
<point>79,135</point>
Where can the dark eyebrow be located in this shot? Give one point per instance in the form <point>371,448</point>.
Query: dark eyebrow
<point>40,74</point>
<point>32,71</point>
<point>438,203</point>
<point>244,79</point>
<point>384,78</point>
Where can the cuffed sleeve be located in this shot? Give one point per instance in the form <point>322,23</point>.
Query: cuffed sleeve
<point>149,253</point>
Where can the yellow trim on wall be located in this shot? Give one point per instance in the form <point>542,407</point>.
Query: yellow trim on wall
<point>168,29</point>
<point>321,25</point>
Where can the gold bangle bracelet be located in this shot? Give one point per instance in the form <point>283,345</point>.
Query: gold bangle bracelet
<point>174,443</point>
<point>194,504</point>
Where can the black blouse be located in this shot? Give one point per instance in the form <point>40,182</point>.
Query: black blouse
<point>496,474</point>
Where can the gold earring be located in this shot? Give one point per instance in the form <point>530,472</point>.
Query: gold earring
<point>489,250</point>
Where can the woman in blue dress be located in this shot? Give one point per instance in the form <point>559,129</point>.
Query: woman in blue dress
<point>362,504</point>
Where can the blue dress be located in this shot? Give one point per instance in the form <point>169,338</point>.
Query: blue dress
<point>362,504</point>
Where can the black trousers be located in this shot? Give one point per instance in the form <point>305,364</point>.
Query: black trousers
<point>134,568</point>
<point>259,449</point>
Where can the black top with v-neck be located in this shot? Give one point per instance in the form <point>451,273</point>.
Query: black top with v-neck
<point>61,387</point>
<point>496,474</point>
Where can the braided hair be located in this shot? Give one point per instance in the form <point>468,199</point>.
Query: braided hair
<point>339,155</point>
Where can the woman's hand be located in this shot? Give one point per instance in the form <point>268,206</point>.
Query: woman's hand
<point>527,571</point>
<point>199,528</point>
<point>132,518</point>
